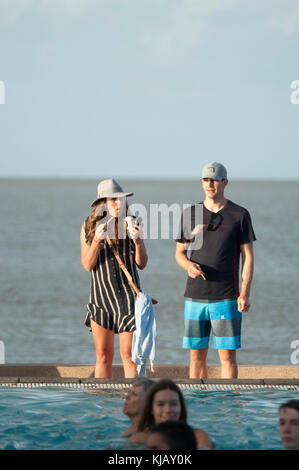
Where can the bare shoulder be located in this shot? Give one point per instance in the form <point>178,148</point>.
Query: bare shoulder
<point>129,432</point>
<point>203,439</point>
<point>139,437</point>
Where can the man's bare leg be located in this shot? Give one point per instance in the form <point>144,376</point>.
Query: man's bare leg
<point>229,366</point>
<point>198,363</point>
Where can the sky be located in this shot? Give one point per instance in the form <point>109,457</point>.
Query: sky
<point>149,88</point>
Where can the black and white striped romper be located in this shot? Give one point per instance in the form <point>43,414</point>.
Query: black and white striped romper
<point>112,299</point>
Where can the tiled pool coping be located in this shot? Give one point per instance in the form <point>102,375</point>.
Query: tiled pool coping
<point>83,375</point>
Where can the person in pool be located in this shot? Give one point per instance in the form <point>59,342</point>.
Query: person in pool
<point>172,435</point>
<point>289,424</point>
<point>111,305</point>
<point>165,402</point>
<point>134,402</point>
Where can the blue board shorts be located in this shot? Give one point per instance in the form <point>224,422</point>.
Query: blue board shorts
<point>220,317</point>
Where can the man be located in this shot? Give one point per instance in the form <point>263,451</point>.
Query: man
<point>289,424</point>
<point>213,300</point>
<point>134,401</point>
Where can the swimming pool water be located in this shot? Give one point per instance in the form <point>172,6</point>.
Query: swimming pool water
<point>71,419</point>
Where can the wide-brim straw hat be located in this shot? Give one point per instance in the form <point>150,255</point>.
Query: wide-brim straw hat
<point>109,188</point>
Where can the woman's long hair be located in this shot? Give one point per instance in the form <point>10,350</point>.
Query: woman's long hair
<point>97,214</point>
<point>147,420</point>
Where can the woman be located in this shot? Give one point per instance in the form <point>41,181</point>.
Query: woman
<point>165,402</point>
<point>111,303</point>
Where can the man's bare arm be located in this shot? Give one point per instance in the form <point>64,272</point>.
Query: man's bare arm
<point>193,269</point>
<point>246,276</point>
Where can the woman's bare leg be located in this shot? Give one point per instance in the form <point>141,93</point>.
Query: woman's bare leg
<point>104,344</point>
<point>125,346</point>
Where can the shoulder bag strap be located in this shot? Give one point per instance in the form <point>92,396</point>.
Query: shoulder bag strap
<point>122,265</point>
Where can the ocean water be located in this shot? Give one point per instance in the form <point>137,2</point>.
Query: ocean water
<point>44,289</point>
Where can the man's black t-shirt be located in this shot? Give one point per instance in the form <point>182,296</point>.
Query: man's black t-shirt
<point>218,253</point>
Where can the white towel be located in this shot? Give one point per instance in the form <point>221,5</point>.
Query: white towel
<point>144,337</point>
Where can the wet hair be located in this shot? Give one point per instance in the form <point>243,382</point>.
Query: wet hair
<point>177,435</point>
<point>147,420</point>
<point>143,382</point>
<point>294,404</point>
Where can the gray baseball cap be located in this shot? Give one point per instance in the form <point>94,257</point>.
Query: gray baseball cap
<point>215,171</point>
<point>109,188</point>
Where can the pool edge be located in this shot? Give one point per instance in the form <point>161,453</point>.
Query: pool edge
<point>259,375</point>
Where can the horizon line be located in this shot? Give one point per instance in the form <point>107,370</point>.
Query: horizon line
<point>142,178</point>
